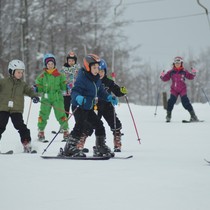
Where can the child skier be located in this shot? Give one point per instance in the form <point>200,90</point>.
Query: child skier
<point>12,91</point>
<point>178,74</point>
<point>51,83</point>
<point>105,109</point>
<point>70,69</point>
<point>85,93</point>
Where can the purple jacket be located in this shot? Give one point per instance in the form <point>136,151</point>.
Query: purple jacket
<point>178,86</point>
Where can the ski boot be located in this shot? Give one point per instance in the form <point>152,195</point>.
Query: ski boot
<point>168,116</point>
<point>27,146</point>
<point>65,135</point>
<point>71,149</point>
<point>81,143</point>
<point>193,117</point>
<point>117,141</point>
<point>41,136</point>
<point>101,149</point>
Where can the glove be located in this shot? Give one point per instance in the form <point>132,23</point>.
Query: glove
<point>194,71</point>
<point>35,99</point>
<point>162,74</point>
<point>112,99</point>
<point>80,100</point>
<point>123,90</point>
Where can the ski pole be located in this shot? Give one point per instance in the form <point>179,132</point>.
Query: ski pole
<point>158,95</point>
<point>115,125</point>
<point>133,120</point>
<point>29,111</point>
<point>59,130</point>
<point>205,96</point>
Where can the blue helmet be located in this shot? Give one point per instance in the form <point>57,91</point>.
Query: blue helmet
<point>103,65</point>
<point>48,57</point>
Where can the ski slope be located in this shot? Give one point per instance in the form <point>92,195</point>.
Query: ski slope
<point>167,171</point>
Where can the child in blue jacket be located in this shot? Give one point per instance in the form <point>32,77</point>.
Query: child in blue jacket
<point>85,93</point>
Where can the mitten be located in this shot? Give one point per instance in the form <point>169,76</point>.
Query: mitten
<point>80,99</point>
<point>162,74</point>
<point>112,99</point>
<point>123,90</point>
<point>194,71</point>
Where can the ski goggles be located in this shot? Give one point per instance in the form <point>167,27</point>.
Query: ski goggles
<point>178,61</point>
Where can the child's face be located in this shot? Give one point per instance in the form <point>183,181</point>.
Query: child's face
<point>71,62</point>
<point>50,65</point>
<point>94,69</point>
<point>18,73</point>
<point>177,65</point>
<point>101,73</point>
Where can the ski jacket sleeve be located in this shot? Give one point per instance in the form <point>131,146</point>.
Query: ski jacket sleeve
<point>167,76</point>
<point>111,86</point>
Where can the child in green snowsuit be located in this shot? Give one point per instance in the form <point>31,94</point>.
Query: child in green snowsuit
<point>51,83</point>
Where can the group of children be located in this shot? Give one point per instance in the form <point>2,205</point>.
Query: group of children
<point>81,87</point>
<point>88,90</point>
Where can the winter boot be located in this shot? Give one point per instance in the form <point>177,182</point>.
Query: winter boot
<point>101,149</point>
<point>71,149</point>
<point>168,116</point>
<point>81,143</point>
<point>41,136</point>
<point>193,117</point>
<point>27,146</point>
<point>117,141</point>
<point>65,135</point>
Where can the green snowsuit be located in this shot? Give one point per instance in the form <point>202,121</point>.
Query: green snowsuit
<point>51,85</point>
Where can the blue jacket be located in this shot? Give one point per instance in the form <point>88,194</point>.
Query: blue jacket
<point>90,87</point>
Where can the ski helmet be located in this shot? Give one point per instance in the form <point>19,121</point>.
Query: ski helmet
<point>178,59</point>
<point>89,60</point>
<point>103,65</point>
<point>72,55</point>
<point>48,57</point>
<point>15,64</point>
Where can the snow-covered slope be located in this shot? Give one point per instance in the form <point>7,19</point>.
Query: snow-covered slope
<point>167,171</point>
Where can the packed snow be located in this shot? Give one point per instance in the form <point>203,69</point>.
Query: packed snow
<point>167,170</point>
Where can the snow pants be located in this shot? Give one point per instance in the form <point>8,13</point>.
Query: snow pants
<point>86,122</point>
<point>17,120</point>
<point>185,103</point>
<point>45,109</point>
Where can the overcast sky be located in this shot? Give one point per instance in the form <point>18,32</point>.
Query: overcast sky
<point>164,39</point>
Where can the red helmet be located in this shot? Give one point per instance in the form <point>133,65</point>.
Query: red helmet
<point>89,60</point>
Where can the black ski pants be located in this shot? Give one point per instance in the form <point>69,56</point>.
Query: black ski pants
<point>17,120</point>
<point>106,110</point>
<point>86,122</point>
<point>67,104</point>
<point>185,103</point>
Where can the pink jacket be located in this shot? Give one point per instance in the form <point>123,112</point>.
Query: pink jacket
<point>178,86</point>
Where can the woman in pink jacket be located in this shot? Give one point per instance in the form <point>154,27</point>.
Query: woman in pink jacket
<point>178,74</point>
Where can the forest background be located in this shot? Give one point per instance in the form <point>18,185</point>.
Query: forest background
<point>31,28</point>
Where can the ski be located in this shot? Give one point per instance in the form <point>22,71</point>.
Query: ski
<point>43,141</point>
<point>127,157</point>
<point>208,161</point>
<point>10,152</point>
<point>63,157</point>
<point>188,121</point>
